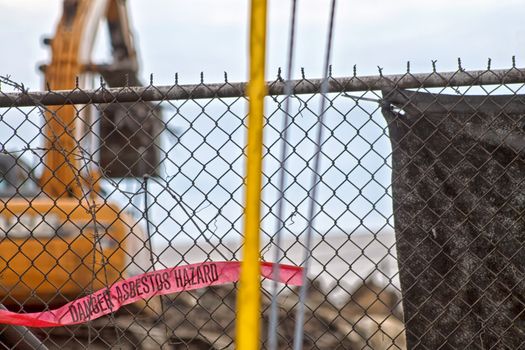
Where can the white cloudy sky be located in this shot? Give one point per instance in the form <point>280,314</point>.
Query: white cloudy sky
<point>211,36</point>
<point>208,36</point>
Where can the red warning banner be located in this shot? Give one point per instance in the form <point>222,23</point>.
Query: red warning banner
<point>144,286</point>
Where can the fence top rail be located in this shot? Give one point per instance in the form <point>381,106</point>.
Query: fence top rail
<point>354,83</point>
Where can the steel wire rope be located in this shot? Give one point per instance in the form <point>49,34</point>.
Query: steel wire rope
<point>279,223</point>
<point>299,320</point>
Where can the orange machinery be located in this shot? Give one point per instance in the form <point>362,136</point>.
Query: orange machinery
<point>65,239</point>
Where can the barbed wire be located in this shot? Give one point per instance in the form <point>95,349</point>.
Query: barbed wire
<point>226,89</point>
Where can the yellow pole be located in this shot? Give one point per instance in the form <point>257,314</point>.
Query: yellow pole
<point>249,297</point>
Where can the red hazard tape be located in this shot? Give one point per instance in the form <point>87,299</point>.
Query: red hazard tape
<point>147,285</point>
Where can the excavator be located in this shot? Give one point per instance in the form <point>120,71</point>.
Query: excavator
<point>60,237</point>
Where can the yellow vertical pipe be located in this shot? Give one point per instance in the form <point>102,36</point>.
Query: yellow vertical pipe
<point>249,297</point>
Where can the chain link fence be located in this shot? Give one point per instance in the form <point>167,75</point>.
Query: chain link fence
<point>419,224</point>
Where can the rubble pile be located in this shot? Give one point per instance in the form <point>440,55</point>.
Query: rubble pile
<point>369,318</point>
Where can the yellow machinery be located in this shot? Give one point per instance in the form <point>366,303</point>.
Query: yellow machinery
<point>64,239</point>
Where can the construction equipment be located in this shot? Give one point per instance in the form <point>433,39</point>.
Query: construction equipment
<point>60,237</point>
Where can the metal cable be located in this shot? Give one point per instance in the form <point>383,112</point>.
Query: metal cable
<point>279,223</point>
<point>299,320</point>
<point>150,245</point>
<point>178,199</point>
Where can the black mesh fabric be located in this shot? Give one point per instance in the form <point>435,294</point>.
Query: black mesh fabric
<point>459,200</point>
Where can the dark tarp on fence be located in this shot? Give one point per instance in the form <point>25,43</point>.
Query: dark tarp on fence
<point>459,211</point>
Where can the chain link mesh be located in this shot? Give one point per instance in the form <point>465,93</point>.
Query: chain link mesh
<point>417,241</point>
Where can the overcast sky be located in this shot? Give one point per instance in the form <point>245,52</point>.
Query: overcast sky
<point>211,36</point>
<point>196,36</point>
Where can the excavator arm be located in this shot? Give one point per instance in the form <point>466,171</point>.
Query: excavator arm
<point>68,128</point>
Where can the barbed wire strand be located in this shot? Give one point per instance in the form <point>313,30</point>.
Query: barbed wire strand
<point>299,320</point>
<point>92,207</point>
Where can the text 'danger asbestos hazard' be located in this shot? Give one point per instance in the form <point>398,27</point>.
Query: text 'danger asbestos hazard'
<point>144,286</point>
